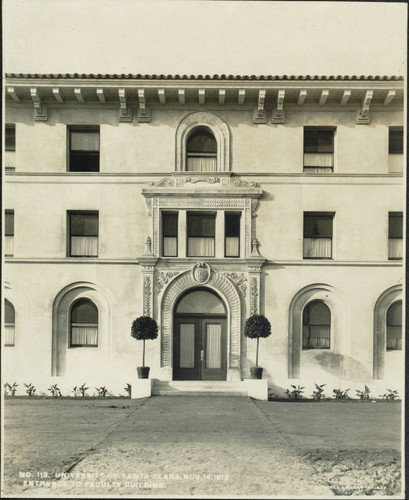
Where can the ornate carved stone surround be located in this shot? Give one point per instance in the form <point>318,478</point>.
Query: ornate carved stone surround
<point>237,281</point>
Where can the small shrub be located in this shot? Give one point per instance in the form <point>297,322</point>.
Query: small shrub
<point>364,395</point>
<point>11,388</point>
<point>318,394</point>
<point>55,391</point>
<point>128,389</point>
<point>30,390</point>
<point>339,394</point>
<point>102,391</point>
<point>390,395</point>
<point>82,390</point>
<point>295,393</point>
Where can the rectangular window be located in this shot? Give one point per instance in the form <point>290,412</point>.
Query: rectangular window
<point>395,236</point>
<point>232,234</point>
<point>170,234</point>
<point>10,147</point>
<point>318,235</point>
<point>83,234</point>
<point>201,235</point>
<point>319,149</point>
<point>9,233</point>
<point>395,149</point>
<point>83,149</point>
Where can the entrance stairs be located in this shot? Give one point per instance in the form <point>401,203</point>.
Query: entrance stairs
<point>198,388</point>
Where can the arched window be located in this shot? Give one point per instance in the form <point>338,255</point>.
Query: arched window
<point>394,327</point>
<point>84,324</point>
<point>9,323</point>
<point>201,151</point>
<point>316,326</point>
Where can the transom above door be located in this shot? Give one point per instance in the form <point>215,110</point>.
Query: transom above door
<point>199,339</point>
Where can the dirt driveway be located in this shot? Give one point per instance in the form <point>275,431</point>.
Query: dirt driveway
<point>197,446</point>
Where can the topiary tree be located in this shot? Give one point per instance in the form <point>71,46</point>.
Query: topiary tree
<point>144,328</point>
<point>257,326</point>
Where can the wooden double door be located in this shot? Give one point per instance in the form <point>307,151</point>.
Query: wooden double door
<point>199,347</point>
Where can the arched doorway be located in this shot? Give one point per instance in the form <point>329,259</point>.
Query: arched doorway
<point>199,336</point>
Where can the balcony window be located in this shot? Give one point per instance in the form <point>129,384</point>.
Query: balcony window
<point>318,150</point>
<point>395,149</point>
<point>9,323</point>
<point>84,149</point>
<point>316,326</point>
<point>83,234</point>
<point>201,235</point>
<point>395,236</point>
<point>84,324</point>
<point>394,327</point>
<point>317,235</point>
<point>201,151</point>
<point>9,233</point>
<point>232,234</point>
<point>10,146</point>
<point>170,234</point>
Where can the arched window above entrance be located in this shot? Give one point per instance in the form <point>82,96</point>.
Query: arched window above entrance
<point>200,302</point>
<point>201,151</point>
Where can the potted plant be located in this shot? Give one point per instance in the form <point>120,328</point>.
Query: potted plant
<point>257,326</point>
<point>144,328</point>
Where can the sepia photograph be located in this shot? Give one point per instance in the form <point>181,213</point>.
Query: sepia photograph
<point>203,249</point>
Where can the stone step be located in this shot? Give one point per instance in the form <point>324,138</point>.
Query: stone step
<point>198,388</point>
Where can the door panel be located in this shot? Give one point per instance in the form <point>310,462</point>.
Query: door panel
<point>199,348</point>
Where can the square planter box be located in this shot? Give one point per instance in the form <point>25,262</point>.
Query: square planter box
<point>141,387</point>
<point>257,389</point>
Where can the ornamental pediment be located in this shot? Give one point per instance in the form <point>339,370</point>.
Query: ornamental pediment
<point>202,185</point>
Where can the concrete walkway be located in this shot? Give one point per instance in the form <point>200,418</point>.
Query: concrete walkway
<point>192,446</point>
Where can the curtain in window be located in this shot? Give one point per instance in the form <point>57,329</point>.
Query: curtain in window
<point>395,248</point>
<point>232,246</point>
<point>84,335</point>
<point>213,338</point>
<point>317,248</point>
<point>8,334</point>
<point>84,246</point>
<point>9,245</point>
<point>201,247</point>
<point>187,346</point>
<point>10,159</point>
<point>170,246</point>
<point>394,327</point>
<point>395,164</point>
<point>318,170</point>
<point>201,164</point>
<point>318,160</point>
<point>316,337</point>
<point>84,141</point>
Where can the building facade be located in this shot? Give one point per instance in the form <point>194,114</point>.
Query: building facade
<point>201,201</point>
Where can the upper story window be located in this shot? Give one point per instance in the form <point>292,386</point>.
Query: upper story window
<point>395,149</point>
<point>316,326</point>
<point>319,149</point>
<point>170,234</point>
<point>394,327</point>
<point>395,236</point>
<point>83,234</point>
<point>318,235</point>
<point>10,146</point>
<point>232,234</point>
<point>9,323</point>
<point>84,324</point>
<point>201,151</point>
<point>201,234</point>
<point>83,149</point>
<point>9,233</point>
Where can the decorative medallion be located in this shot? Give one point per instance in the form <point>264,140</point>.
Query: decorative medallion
<point>201,273</point>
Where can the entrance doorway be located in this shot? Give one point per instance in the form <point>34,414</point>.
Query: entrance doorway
<point>199,338</point>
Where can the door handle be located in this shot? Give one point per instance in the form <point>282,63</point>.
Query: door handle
<point>202,355</point>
